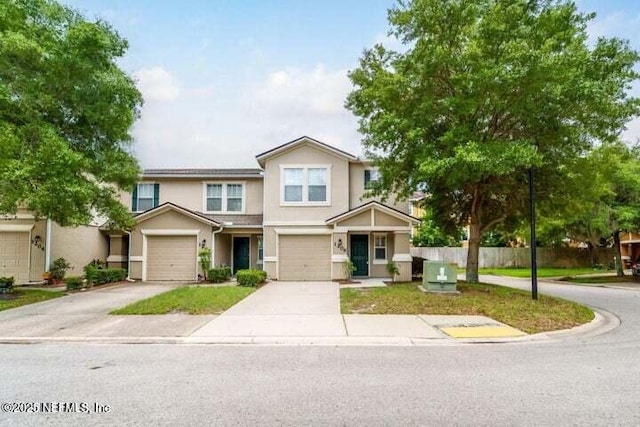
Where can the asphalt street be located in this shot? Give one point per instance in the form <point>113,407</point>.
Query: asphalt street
<point>574,381</point>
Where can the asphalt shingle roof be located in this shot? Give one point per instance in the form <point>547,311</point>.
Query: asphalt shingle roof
<point>203,172</point>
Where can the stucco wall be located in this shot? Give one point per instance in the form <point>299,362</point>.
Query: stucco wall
<point>189,193</point>
<point>306,155</point>
<point>357,190</point>
<point>169,220</point>
<point>222,252</point>
<point>78,245</point>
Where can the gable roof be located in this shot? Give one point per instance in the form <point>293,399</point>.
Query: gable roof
<point>372,205</point>
<point>262,157</point>
<point>203,173</point>
<point>170,206</point>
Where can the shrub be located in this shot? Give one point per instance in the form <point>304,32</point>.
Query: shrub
<point>59,268</point>
<point>97,273</point>
<point>392,269</point>
<point>73,283</point>
<point>204,258</point>
<point>348,269</point>
<point>6,284</point>
<point>251,277</point>
<point>219,274</point>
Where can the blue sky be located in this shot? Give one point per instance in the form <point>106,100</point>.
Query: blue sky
<point>226,80</point>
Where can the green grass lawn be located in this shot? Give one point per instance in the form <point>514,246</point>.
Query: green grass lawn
<point>542,271</point>
<point>21,297</point>
<point>506,305</point>
<point>603,279</point>
<point>190,300</point>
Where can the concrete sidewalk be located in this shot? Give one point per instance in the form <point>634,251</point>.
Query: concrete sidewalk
<point>278,313</point>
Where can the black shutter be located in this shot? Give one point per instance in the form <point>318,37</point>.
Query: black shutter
<point>134,199</point>
<point>156,194</point>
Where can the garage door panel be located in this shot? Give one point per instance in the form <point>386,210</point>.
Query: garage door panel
<point>304,257</point>
<point>171,258</point>
<point>14,255</point>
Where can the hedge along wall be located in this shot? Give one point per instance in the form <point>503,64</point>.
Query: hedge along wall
<point>520,257</point>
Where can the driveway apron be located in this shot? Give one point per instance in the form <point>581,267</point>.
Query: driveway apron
<point>282,309</point>
<point>85,314</point>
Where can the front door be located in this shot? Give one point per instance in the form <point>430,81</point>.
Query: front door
<point>360,254</point>
<point>240,253</point>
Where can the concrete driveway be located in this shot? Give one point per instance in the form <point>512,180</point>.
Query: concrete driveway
<point>85,314</point>
<point>282,309</point>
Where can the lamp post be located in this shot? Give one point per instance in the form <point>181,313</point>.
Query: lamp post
<point>534,261</point>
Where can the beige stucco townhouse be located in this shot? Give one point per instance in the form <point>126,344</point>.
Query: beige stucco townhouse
<point>28,246</point>
<point>299,216</point>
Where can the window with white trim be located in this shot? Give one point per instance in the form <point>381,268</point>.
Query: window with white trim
<point>234,197</point>
<point>145,197</point>
<point>224,197</point>
<point>380,247</point>
<point>305,186</point>
<point>260,250</point>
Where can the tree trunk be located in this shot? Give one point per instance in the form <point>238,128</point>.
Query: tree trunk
<point>473,253</point>
<point>616,244</point>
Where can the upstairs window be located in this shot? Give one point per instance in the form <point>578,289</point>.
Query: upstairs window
<point>305,186</point>
<point>293,184</point>
<point>371,176</point>
<point>234,197</point>
<point>145,196</point>
<point>214,197</point>
<point>317,190</point>
<point>224,197</point>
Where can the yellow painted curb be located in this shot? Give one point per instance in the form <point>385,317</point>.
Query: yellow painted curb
<point>497,331</point>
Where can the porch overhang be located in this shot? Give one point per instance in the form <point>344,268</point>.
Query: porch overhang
<point>373,216</point>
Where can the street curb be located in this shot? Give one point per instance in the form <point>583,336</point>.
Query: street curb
<point>602,323</point>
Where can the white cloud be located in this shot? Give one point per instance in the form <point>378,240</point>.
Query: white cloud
<point>157,84</point>
<point>223,125</point>
<point>293,90</point>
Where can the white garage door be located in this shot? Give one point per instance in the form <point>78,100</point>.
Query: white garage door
<point>305,257</point>
<point>14,256</point>
<point>171,258</point>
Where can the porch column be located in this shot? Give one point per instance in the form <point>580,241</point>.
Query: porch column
<point>339,255</point>
<point>401,255</point>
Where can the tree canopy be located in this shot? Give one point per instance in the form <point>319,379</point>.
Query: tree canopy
<point>605,199</point>
<point>66,109</point>
<point>485,90</point>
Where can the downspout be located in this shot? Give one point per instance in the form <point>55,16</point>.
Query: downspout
<point>129,279</point>
<point>213,244</point>
<point>47,246</point>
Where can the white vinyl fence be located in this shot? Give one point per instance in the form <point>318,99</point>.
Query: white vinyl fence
<point>519,257</point>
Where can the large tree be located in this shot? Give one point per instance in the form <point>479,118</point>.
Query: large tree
<point>606,195</point>
<point>485,90</point>
<point>65,113</point>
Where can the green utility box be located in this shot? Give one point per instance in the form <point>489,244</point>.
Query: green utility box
<point>439,276</point>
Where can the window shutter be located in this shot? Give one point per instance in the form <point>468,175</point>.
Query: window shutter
<point>156,194</point>
<point>134,199</point>
<point>367,178</point>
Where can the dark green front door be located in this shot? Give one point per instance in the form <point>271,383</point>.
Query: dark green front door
<point>360,254</point>
<point>240,253</point>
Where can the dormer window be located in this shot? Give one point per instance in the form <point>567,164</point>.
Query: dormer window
<point>371,176</point>
<point>305,186</point>
<point>224,198</point>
